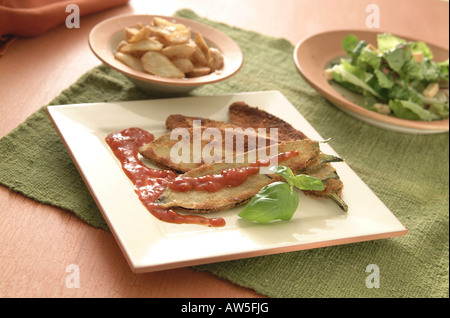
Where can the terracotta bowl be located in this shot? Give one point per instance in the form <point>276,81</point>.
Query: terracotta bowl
<point>315,53</point>
<point>105,36</point>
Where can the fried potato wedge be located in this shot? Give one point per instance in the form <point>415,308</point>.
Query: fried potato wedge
<point>170,33</point>
<point>130,60</point>
<point>157,64</point>
<point>201,43</point>
<point>142,34</point>
<point>177,33</point>
<point>184,50</point>
<point>141,47</point>
<point>179,36</point>
<point>199,71</point>
<point>215,59</point>
<point>199,58</point>
<point>190,56</point>
<point>183,64</point>
<point>130,33</point>
<point>161,22</point>
<point>120,45</point>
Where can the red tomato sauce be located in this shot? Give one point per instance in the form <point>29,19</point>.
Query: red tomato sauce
<point>227,178</point>
<point>149,183</point>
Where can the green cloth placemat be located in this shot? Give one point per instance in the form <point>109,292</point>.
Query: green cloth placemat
<point>409,173</point>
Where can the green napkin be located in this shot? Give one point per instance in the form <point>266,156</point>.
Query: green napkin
<point>409,173</point>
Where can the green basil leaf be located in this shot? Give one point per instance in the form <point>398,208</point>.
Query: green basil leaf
<point>302,181</point>
<point>275,201</point>
<point>305,182</point>
<point>285,172</point>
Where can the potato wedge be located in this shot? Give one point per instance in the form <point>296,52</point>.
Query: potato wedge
<point>184,64</point>
<point>201,43</point>
<point>215,59</point>
<point>142,34</point>
<point>199,58</point>
<point>199,71</point>
<point>130,60</point>
<point>130,32</point>
<point>121,44</point>
<point>160,32</point>
<point>161,22</point>
<point>157,64</point>
<point>178,36</point>
<point>166,48</point>
<point>139,48</point>
<point>184,50</point>
<point>171,35</point>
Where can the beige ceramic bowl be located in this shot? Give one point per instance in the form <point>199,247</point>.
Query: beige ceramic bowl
<point>105,36</point>
<point>312,56</point>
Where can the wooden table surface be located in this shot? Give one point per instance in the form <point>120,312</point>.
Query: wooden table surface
<point>38,242</point>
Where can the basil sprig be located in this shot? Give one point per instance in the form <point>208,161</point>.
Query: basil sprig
<point>278,200</point>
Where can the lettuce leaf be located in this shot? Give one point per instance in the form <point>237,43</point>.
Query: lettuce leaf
<point>370,58</point>
<point>409,110</point>
<point>387,42</point>
<point>397,58</point>
<point>349,73</point>
<point>383,79</point>
<point>349,43</point>
<point>390,74</point>
<point>443,70</point>
<point>423,48</point>
<point>440,108</point>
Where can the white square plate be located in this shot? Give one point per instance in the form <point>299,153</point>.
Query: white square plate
<point>149,244</point>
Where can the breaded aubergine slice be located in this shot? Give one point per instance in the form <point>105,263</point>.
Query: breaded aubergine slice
<point>243,115</point>
<point>229,197</point>
<point>175,150</point>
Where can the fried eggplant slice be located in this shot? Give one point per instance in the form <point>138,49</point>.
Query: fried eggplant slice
<point>196,201</point>
<point>216,144</point>
<point>324,171</point>
<point>243,115</point>
<point>182,121</point>
<point>327,173</point>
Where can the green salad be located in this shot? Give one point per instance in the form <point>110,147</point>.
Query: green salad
<point>396,78</point>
